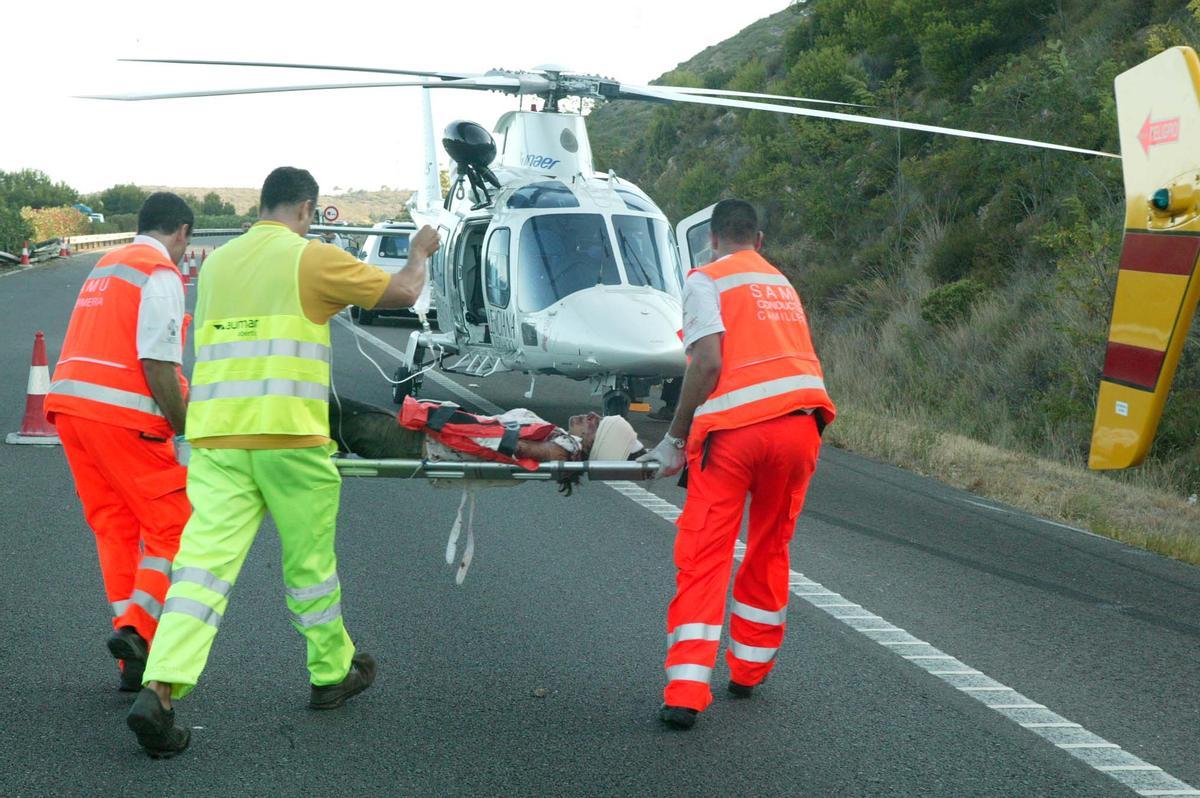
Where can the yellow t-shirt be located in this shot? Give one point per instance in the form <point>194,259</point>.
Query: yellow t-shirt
<point>330,279</point>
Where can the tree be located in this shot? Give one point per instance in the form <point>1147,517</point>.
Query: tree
<point>123,198</point>
<point>212,205</point>
<point>31,188</point>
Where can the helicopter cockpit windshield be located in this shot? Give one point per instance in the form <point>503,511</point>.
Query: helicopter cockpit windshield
<point>562,253</point>
<point>646,249</point>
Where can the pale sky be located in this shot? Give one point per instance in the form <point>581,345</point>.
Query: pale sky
<point>361,138</point>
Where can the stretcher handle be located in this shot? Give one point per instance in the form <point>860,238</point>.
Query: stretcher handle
<point>598,470</point>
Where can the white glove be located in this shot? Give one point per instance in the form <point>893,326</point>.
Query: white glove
<point>183,450</point>
<point>669,454</point>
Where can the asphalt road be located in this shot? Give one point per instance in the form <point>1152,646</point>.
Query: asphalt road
<point>541,675</point>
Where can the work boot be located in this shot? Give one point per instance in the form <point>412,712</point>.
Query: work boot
<point>739,690</point>
<point>155,726</point>
<point>360,677</point>
<point>125,643</point>
<point>681,718</point>
<point>131,675</point>
<point>664,413</point>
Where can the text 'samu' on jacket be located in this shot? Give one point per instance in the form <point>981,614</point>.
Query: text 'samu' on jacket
<point>480,436</point>
<point>99,375</point>
<point>768,365</point>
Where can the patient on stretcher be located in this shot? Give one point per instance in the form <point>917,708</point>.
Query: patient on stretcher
<point>433,431</point>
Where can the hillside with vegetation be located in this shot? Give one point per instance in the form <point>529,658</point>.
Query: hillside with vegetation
<point>354,205</point>
<point>960,291</point>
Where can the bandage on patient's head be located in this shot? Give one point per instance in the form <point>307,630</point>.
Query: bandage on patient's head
<point>615,440</point>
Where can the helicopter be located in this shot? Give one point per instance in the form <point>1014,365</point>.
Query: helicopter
<point>528,289</point>
<point>547,266</point>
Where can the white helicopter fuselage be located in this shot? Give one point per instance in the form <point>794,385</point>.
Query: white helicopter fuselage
<point>565,271</point>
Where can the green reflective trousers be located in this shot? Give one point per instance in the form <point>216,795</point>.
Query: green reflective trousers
<point>230,491</point>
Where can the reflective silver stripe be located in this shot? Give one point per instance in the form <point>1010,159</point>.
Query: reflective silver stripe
<point>147,602</point>
<point>199,576</point>
<point>751,653</point>
<point>694,631</point>
<point>731,281</point>
<point>763,390</point>
<point>160,564</point>
<point>244,389</point>
<point>119,607</point>
<point>196,609</point>
<point>97,361</point>
<point>317,618</point>
<point>689,673</point>
<point>106,395</point>
<point>746,612</point>
<point>281,347</point>
<point>314,591</point>
<point>121,272</point>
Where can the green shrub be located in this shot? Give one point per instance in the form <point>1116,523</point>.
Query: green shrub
<point>14,230</point>
<point>953,257</point>
<point>947,305</point>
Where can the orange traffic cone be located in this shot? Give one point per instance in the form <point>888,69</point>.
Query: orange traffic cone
<point>62,248</point>
<point>34,427</point>
<point>25,254</point>
<point>185,268</point>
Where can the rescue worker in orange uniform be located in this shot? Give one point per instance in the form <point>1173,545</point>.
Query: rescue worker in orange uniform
<point>117,399</point>
<point>750,413</point>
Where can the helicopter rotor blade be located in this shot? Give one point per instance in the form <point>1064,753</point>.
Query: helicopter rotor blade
<point>756,95</point>
<point>487,83</point>
<point>654,93</point>
<point>275,65</point>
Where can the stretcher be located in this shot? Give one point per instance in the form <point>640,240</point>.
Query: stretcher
<point>474,476</point>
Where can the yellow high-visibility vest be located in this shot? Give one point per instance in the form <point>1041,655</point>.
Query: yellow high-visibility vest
<point>262,368</point>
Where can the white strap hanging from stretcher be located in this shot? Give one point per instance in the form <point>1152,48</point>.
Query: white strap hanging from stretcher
<point>468,502</point>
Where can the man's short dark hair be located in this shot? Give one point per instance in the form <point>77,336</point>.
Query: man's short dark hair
<point>164,212</point>
<point>287,185</point>
<point>734,220</point>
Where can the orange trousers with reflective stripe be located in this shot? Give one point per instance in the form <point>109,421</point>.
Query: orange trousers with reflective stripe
<point>133,497</point>
<point>772,461</point>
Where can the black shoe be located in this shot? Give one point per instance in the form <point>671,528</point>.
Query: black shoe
<point>155,727</point>
<point>678,717</point>
<point>131,675</point>
<point>664,413</point>
<point>740,690</point>
<point>743,690</point>
<point>360,677</point>
<point>125,643</point>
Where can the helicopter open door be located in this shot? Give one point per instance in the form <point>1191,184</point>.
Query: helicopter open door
<point>693,239</point>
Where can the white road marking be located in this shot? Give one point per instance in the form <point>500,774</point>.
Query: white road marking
<point>1103,756</point>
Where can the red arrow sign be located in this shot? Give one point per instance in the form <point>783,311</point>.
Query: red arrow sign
<point>1163,131</point>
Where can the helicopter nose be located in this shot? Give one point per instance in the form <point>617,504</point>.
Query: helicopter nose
<point>630,332</point>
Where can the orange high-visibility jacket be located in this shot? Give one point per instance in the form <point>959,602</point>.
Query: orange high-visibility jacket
<point>98,375</point>
<point>768,366</point>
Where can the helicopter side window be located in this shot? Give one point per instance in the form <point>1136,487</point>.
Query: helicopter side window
<point>644,244</point>
<point>496,268</point>
<point>560,254</point>
<point>635,203</point>
<point>546,194</point>
<point>470,248</point>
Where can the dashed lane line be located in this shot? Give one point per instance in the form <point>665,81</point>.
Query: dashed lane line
<point>1091,749</point>
<point>1108,758</point>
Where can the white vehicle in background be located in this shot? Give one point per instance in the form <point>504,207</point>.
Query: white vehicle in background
<point>389,253</point>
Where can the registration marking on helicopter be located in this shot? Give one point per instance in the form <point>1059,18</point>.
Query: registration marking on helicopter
<point>1066,735</point>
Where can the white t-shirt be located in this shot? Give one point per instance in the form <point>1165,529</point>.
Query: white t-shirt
<point>701,308</point>
<point>160,315</point>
